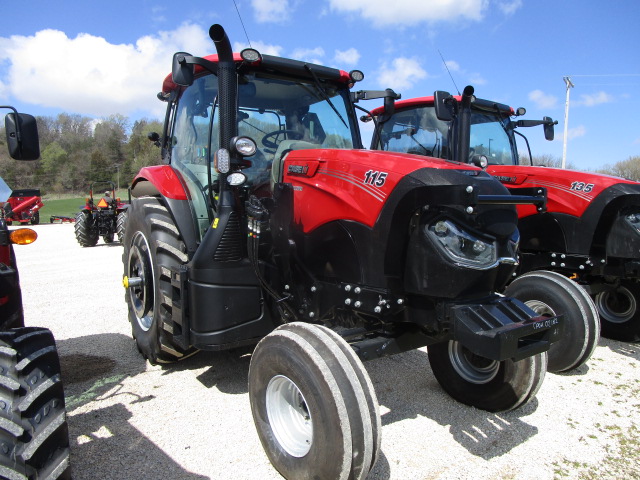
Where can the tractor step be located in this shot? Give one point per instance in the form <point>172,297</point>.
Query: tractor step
<point>504,328</point>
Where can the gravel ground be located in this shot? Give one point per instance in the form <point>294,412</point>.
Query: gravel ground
<point>130,420</point>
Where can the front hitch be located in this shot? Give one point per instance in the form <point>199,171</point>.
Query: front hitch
<point>503,328</point>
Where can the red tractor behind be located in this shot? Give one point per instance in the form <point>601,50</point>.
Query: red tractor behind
<point>22,206</point>
<point>101,218</point>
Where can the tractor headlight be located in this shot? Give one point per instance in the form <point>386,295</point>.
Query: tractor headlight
<point>462,247</point>
<point>245,146</point>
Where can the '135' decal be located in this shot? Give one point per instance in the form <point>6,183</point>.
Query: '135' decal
<point>375,178</point>
<point>582,187</point>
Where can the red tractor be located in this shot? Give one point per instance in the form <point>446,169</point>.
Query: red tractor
<point>101,218</point>
<point>590,229</point>
<point>22,206</point>
<point>269,224</point>
<point>33,425</point>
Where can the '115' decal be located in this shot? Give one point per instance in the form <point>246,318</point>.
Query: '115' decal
<point>375,178</point>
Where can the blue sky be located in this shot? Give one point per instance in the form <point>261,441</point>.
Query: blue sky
<point>98,58</point>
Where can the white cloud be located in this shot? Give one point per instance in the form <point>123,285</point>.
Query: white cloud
<point>477,79</point>
<point>402,73</point>
<point>265,11</point>
<point>312,55</point>
<point>452,65</point>
<point>89,76</point>
<point>262,47</point>
<point>347,57</point>
<point>543,100</point>
<point>575,132</point>
<point>510,7</point>
<point>594,99</point>
<point>412,12</point>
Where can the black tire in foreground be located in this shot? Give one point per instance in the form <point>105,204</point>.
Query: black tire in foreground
<point>34,437</point>
<point>121,222</point>
<point>152,245</point>
<point>86,235</point>
<point>313,405</point>
<point>620,311</point>
<point>484,383</point>
<point>550,294</point>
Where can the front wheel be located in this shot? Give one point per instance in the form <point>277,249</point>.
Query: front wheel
<point>483,383</point>
<point>313,405</point>
<point>34,434</point>
<point>552,294</point>
<point>619,311</point>
<point>35,218</point>
<point>152,246</point>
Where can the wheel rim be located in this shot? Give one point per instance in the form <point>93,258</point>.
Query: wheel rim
<point>471,367</point>
<point>289,416</point>
<point>617,305</point>
<point>540,308</point>
<point>140,265</point>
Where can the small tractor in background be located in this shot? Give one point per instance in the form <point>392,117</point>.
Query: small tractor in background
<point>22,206</point>
<point>590,229</point>
<point>33,426</point>
<point>268,223</point>
<point>101,218</point>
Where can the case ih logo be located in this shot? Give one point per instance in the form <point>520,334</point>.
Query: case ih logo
<point>298,169</point>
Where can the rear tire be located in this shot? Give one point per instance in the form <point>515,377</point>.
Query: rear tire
<point>551,294</point>
<point>108,238</point>
<point>35,219</point>
<point>312,415</point>
<point>483,383</point>
<point>34,433</point>
<point>620,312</point>
<point>121,221</point>
<point>152,245</point>
<point>86,235</point>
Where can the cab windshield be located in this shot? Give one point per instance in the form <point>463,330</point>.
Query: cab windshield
<point>279,114</point>
<point>418,131</point>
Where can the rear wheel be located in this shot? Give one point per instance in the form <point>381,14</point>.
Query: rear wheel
<point>35,218</point>
<point>34,435</point>
<point>619,312</point>
<point>312,414</point>
<point>552,294</point>
<point>108,238</point>
<point>120,225</point>
<point>484,383</point>
<point>86,235</point>
<point>152,245</point>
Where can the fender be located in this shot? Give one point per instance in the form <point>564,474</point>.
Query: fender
<point>163,180</point>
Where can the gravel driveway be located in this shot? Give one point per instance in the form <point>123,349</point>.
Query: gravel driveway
<point>192,420</point>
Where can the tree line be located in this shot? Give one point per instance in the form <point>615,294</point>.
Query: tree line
<point>77,150</point>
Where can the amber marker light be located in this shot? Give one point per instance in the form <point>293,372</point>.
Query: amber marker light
<point>23,236</point>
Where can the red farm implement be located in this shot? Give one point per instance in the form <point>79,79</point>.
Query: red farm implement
<point>22,206</point>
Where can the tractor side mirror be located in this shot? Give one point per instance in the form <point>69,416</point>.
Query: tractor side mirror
<point>548,128</point>
<point>182,72</point>
<point>22,136</point>
<point>443,106</point>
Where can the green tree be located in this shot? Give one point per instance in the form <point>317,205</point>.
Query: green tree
<point>629,169</point>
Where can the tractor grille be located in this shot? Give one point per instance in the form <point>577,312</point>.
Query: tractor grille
<point>230,246</point>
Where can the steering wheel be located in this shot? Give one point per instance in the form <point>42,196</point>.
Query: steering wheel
<point>267,142</point>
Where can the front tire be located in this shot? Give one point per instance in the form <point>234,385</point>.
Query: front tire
<point>152,245</point>
<point>86,235</point>
<point>34,434</point>
<point>312,414</point>
<point>619,312</point>
<point>552,294</point>
<point>483,383</point>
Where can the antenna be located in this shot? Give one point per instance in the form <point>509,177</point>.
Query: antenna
<point>240,17</point>
<point>445,66</point>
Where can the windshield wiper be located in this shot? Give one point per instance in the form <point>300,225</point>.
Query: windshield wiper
<point>323,93</point>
